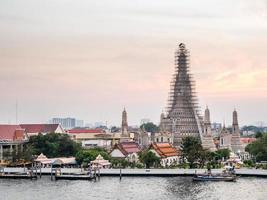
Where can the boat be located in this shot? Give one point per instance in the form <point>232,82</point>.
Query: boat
<point>226,175</point>
<point>214,177</point>
<point>75,177</point>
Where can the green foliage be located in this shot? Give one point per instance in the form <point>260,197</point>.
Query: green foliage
<point>139,165</point>
<point>221,154</point>
<point>120,163</point>
<point>53,145</point>
<point>192,151</point>
<point>149,159</point>
<point>114,129</point>
<point>258,148</point>
<point>19,155</point>
<point>85,156</point>
<point>248,163</point>
<point>150,127</point>
<point>259,134</point>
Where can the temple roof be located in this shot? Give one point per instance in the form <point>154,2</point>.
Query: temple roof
<point>128,147</point>
<point>40,128</point>
<point>165,149</point>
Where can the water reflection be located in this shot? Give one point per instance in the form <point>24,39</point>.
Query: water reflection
<point>136,188</point>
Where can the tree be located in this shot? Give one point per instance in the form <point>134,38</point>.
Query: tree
<point>149,159</point>
<point>19,155</point>
<point>150,127</point>
<point>193,152</point>
<point>85,156</point>
<point>114,129</point>
<point>53,145</point>
<point>221,154</point>
<point>258,134</point>
<point>258,148</point>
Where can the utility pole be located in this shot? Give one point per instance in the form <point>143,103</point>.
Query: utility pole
<point>16,111</point>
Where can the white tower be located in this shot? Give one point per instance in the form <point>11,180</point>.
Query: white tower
<point>207,139</point>
<point>236,145</point>
<point>124,124</point>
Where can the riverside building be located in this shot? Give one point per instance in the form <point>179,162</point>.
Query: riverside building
<point>12,138</point>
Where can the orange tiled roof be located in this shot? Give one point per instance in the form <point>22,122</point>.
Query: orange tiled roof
<point>165,149</point>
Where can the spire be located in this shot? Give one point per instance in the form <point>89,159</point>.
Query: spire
<point>124,123</point>
<point>235,140</point>
<point>207,139</point>
<point>207,115</point>
<point>235,120</point>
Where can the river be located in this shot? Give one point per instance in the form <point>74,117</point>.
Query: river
<point>133,188</point>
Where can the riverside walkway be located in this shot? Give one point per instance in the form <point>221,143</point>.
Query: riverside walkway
<point>147,172</point>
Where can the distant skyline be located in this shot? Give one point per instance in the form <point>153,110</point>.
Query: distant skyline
<point>90,59</point>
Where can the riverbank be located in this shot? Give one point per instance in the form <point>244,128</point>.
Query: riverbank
<point>145,172</point>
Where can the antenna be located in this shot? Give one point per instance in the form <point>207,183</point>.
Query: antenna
<point>16,111</point>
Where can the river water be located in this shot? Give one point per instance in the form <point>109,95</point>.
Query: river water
<point>133,188</point>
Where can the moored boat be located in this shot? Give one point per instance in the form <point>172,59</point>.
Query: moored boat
<point>217,177</point>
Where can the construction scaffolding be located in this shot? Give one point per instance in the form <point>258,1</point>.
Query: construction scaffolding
<point>182,112</point>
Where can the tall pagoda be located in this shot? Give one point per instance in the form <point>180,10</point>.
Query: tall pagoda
<point>182,117</point>
<point>124,124</point>
<point>236,145</point>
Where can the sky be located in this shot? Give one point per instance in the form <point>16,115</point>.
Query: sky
<point>90,59</point>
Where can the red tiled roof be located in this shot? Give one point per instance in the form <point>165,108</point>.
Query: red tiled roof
<point>165,149</point>
<point>40,128</point>
<point>128,147</point>
<point>11,132</point>
<point>247,140</point>
<point>77,131</point>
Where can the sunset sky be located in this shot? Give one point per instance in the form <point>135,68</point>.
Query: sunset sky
<point>88,59</point>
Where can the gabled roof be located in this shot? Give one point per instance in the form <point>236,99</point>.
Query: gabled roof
<point>11,132</point>
<point>77,131</point>
<point>127,147</point>
<point>165,149</point>
<point>40,128</point>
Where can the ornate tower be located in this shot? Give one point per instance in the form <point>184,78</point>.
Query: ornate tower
<point>124,124</point>
<point>182,118</point>
<point>236,145</point>
<point>207,139</point>
<point>207,124</point>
